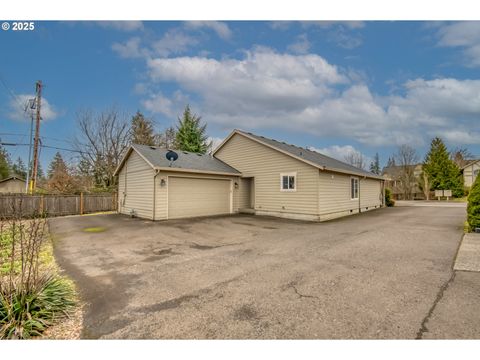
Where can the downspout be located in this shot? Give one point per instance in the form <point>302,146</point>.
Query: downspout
<point>359,206</point>
<point>155,192</point>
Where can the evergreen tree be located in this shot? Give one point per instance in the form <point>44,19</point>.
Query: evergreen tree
<point>191,135</point>
<point>473,207</point>
<point>442,172</point>
<point>375,164</point>
<point>19,168</point>
<point>142,130</point>
<point>4,163</point>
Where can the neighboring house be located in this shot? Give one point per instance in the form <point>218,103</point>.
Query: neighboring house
<point>470,172</point>
<point>12,184</point>
<point>393,177</point>
<point>246,173</point>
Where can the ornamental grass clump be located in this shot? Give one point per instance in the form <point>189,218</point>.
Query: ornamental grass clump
<point>32,294</point>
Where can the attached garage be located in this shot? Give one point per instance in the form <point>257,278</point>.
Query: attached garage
<point>152,187</point>
<point>189,197</point>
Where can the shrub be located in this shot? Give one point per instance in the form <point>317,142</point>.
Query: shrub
<point>388,198</point>
<point>32,295</point>
<point>473,207</point>
<point>24,314</point>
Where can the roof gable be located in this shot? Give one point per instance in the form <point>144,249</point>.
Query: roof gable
<point>310,157</point>
<point>187,161</point>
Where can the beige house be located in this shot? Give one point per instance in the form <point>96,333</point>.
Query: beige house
<point>12,184</point>
<point>470,172</point>
<point>246,173</point>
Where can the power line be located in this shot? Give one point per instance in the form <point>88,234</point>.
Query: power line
<point>43,146</point>
<point>12,94</point>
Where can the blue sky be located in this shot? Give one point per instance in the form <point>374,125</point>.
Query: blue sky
<point>334,86</point>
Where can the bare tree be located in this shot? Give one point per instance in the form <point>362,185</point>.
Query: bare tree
<point>103,139</point>
<point>406,159</point>
<point>356,159</point>
<point>166,139</point>
<point>461,156</point>
<point>425,185</point>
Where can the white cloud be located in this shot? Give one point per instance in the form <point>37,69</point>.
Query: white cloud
<point>130,49</point>
<point>126,26</point>
<point>305,93</point>
<point>338,152</point>
<point>16,112</point>
<point>215,142</point>
<point>262,81</point>
<point>173,42</point>
<point>221,28</point>
<point>168,106</point>
<point>301,46</point>
<point>464,34</point>
<point>285,25</point>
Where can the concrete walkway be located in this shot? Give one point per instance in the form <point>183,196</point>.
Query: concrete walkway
<point>430,203</point>
<point>468,257</point>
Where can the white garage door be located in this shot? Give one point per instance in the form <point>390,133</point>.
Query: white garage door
<point>188,197</point>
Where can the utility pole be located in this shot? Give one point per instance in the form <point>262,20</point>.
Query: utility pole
<point>33,180</point>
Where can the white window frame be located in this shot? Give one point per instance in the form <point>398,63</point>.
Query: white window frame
<point>358,187</point>
<point>282,175</point>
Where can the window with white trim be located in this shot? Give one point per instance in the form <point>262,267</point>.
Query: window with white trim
<point>354,188</point>
<point>288,182</point>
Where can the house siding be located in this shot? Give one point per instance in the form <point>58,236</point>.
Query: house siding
<point>135,186</point>
<point>12,186</point>
<point>265,165</point>
<point>468,174</point>
<point>161,192</point>
<point>335,197</point>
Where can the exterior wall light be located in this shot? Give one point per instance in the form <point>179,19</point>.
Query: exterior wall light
<point>163,182</point>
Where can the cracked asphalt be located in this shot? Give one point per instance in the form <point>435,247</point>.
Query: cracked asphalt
<point>382,274</point>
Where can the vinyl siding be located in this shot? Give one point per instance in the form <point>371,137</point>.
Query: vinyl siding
<point>335,197</point>
<point>468,174</point>
<point>161,192</point>
<point>244,193</point>
<point>370,194</point>
<point>265,164</point>
<point>135,187</point>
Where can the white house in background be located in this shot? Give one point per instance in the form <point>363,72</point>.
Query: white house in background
<point>246,173</point>
<point>470,172</point>
<point>13,185</point>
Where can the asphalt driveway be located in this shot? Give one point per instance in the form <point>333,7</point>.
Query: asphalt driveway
<point>381,274</point>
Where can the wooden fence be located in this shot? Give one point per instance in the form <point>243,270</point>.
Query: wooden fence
<point>55,205</point>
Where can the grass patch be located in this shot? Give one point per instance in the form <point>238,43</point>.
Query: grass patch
<point>97,229</point>
<point>461,199</point>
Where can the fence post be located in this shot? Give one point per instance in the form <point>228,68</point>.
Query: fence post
<point>114,200</point>
<point>41,204</point>
<point>81,203</point>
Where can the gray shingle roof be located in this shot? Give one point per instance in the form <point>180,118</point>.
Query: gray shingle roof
<point>186,160</point>
<point>321,160</point>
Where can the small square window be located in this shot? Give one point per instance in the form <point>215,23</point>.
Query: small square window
<point>287,182</point>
